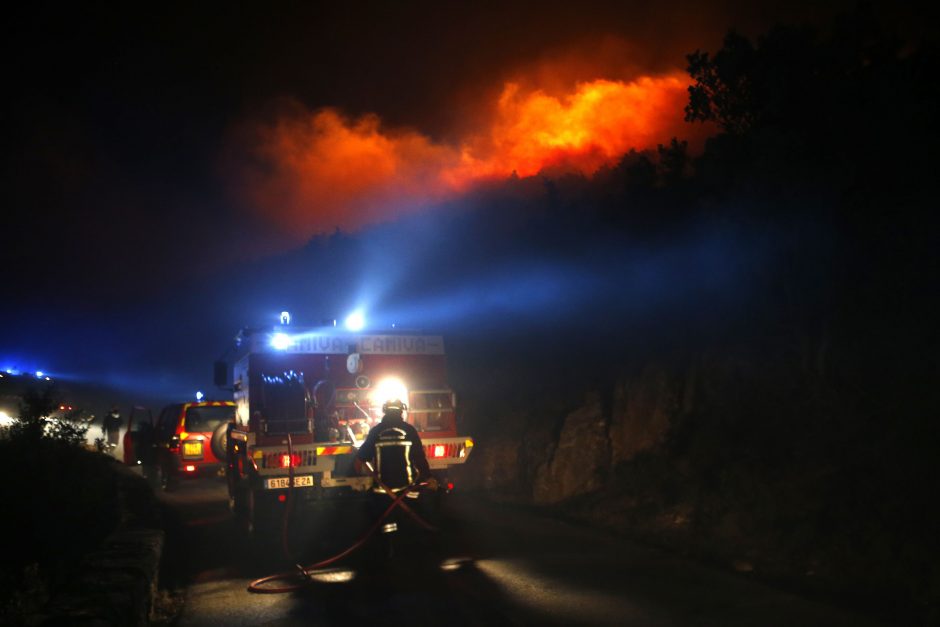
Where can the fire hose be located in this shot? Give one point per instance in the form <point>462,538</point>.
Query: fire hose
<point>302,573</point>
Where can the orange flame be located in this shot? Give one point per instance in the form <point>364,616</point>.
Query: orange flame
<point>321,170</point>
<point>592,127</point>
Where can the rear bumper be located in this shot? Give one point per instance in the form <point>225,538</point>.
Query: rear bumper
<point>313,494</point>
<point>202,469</point>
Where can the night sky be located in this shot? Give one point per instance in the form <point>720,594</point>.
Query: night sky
<point>162,164</point>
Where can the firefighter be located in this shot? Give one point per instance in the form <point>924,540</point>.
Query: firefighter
<point>394,449</point>
<point>396,454</point>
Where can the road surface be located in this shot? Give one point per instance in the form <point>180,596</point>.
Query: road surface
<point>498,566</point>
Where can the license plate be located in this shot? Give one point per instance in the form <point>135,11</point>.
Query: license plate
<point>192,449</point>
<point>300,481</point>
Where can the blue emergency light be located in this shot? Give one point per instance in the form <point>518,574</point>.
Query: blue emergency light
<point>355,321</point>
<point>281,341</point>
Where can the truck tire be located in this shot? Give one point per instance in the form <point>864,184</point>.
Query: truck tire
<point>262,528</point>
<point>241,506</point>
<point>251,554</point>
<point>219,441</point>
<point>249,518</point>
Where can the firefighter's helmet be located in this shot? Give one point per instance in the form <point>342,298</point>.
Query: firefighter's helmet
<point>394,406</point>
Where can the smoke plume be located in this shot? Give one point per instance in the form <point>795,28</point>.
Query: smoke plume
<point>313,171</point>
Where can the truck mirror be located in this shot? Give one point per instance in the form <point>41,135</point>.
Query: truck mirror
<point>220,373</point>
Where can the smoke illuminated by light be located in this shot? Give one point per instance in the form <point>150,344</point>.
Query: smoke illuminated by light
<point>312,172</point>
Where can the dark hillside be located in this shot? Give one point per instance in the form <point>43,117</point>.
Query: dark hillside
<point>756,385</point>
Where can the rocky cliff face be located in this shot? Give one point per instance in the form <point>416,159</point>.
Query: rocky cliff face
<point>547,459</point>
<point>741,459</point>
<point>581,457</point>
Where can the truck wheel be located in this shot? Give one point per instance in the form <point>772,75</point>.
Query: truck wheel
<point>259,522</point>
<point>219,441</point>
<point>246,512</point>
<point>240,506</point>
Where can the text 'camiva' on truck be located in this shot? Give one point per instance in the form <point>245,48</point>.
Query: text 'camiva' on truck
<point>325,388</point>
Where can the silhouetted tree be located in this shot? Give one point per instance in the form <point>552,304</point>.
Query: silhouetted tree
<point>35,407</point>
<point>674,161</point>
<point>723,91</point>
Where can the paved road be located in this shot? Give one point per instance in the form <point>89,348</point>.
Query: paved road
<point>498,566</point>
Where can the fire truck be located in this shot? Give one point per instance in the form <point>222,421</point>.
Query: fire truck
<point>305,400</point>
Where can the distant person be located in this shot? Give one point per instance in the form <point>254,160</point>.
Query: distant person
<point>112,427</point>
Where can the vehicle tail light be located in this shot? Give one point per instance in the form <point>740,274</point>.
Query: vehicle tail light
<point>290,460</point>
<point>190,468</point>
<point>450,486</point>
<point>281,497</point>
<point>439,450</point>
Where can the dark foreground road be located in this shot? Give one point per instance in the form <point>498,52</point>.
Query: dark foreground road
<point>497,566</point>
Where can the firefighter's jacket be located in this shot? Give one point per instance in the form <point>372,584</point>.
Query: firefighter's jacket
<point>394,448</point>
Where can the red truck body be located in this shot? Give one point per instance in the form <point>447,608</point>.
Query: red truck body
<point>304,408</point>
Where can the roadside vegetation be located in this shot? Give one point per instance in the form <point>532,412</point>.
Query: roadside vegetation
<point>59,500</point>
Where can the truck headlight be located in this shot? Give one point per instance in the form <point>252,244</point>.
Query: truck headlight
<point>390,389</point>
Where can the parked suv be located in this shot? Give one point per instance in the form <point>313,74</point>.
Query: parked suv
<point>190,440</point>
